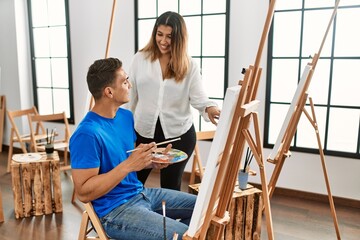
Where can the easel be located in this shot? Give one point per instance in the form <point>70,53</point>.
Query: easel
<point>229,160</point>
<point>283,151</point>
<point>91,104</point>
<point>2,119</point>
<point>197,167</point>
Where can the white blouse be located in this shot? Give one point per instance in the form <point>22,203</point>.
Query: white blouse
<point>151,98</point>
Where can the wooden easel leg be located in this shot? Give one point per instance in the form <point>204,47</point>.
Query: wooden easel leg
<point>193,170</point>
<point>322,157</point>
<point>268,215</point>
<point>331,200</point>
<point>258,154</point>
<point>196,166</point>
<point>219,232</point>
<point>275,176</point>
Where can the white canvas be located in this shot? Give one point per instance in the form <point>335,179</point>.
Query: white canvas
<point>211,170</point>
<point>290,112</point>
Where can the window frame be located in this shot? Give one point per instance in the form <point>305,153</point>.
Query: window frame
<point>71,118</point>
<point>329,106</point>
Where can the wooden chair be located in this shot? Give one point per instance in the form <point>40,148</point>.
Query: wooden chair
<point>59,143</point>
<point>73,196</point>
<point>89,215</point>
<point>197,167</point>
<point>22,138</point>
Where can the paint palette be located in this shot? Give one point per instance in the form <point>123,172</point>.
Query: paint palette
<point>172,156</point>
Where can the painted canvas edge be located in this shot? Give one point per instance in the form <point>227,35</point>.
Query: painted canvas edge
<point>211,170</point>
<point>290,112</point>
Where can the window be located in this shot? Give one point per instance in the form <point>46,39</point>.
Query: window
<point>207,25</point>
<point>50,53</point>
<point>297,32</point>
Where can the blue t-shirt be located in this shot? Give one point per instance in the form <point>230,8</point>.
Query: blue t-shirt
<point>102,143</point>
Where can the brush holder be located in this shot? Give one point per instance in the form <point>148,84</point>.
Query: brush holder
<point>49,149</point>
<point>243,179</point>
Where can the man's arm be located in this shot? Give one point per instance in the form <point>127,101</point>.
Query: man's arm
<point>90,185</point>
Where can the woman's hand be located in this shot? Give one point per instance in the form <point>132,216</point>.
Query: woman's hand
<point>213,113</point>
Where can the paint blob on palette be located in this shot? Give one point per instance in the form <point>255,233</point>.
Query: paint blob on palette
<point>172,156</point>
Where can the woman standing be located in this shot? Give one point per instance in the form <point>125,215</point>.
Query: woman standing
<point>166,82</point>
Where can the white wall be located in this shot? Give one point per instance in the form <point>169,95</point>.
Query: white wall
<point>89,23</point>
<point>10,79</point>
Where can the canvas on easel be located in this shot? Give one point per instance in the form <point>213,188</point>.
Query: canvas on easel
<point>221,170</point>
<point>212,168</point>
<point>216,189</point>
<point>297,108</point>
<point>281,136</point>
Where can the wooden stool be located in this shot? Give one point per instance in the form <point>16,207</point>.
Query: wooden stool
<point>36,186</point>
<point>245,214</point>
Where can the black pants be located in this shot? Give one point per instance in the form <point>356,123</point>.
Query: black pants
<point>171,176</point>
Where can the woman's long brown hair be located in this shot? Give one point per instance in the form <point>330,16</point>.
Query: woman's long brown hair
<point>179,61</point>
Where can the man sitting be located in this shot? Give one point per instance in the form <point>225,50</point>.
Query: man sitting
<point>105,174</point>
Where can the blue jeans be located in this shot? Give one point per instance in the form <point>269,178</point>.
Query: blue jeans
<point>142,216</point>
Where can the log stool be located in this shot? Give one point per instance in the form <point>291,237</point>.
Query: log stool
<point>245,214</point>
<point>36,185</point>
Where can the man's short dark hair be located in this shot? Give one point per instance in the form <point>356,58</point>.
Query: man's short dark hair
<point>101,74</point>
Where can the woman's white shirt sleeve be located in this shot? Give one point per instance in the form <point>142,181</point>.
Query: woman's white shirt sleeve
<point>151,98</point>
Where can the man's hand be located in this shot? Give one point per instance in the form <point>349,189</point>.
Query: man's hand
<point>158,165</point>
<point>141,157</point>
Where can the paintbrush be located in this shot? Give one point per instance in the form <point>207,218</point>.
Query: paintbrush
<point>164,219</point>
<point>248,158</point>
<point>157,144</point>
